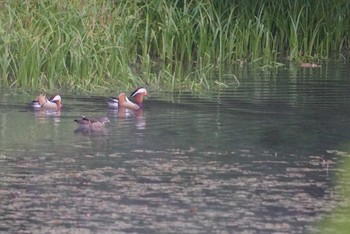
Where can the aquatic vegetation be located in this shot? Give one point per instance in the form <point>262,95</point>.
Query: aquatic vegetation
<point>94,45</point>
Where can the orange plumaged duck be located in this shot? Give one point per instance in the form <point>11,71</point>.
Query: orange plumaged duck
<point>122,101</point>
<point>42,103</point>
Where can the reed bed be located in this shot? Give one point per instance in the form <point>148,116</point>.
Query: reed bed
<point>98,45</point>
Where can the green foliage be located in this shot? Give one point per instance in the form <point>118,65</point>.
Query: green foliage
<point>338,221</point>
<point>84,45</point>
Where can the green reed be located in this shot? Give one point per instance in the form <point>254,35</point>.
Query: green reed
<point>107,45</point>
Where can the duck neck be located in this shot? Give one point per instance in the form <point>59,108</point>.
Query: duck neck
<point>139,99</point>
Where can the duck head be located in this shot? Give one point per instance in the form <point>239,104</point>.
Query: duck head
<point>138,95</point>
<point>56,99</point>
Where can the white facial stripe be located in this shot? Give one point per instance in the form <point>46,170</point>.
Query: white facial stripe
<point>56,98</point>
<point>142,90</point>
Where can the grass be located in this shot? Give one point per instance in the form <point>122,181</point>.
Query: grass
<point>101,45</point>
<point>338,220</point>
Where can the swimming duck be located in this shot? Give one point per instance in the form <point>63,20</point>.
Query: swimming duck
<point>312,65</point>
<point>42,103</point>
<point>93,124</point>
<point>87,125</point>
<point>122,100</point>
<point>113,102</point>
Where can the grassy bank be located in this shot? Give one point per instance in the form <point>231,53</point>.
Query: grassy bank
<point>89,45</point>
<point>338,219</point>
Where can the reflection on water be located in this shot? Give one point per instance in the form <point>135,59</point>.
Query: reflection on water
<point>256,158</point>
<point>43,115</point>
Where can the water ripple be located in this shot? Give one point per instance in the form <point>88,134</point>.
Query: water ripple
<point>161,191</point>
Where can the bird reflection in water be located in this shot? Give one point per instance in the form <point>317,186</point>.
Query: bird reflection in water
<point>44,115</point>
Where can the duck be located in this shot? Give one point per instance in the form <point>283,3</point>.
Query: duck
<point>42,103</point>
<point>113,102</point>
<point>92,124</point>
<point>122,101</point>
<point>312,65</point>
<point>125,103</point>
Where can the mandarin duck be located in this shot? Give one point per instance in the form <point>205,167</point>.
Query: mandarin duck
<point>122,100</point>
<point>92,124</point>
<point>113,102</point>
<point>42,103</point>
<point>312,65</point>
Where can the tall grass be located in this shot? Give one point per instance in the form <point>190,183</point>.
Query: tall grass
<point>94,45</point>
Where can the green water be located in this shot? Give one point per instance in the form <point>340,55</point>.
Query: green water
<point>259,157</point>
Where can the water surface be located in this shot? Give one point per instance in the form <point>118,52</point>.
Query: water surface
<point>258,157</point>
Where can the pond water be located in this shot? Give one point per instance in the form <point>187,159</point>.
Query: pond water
<point>261,156</point>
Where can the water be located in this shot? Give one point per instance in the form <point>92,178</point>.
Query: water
<point>258,157</point>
